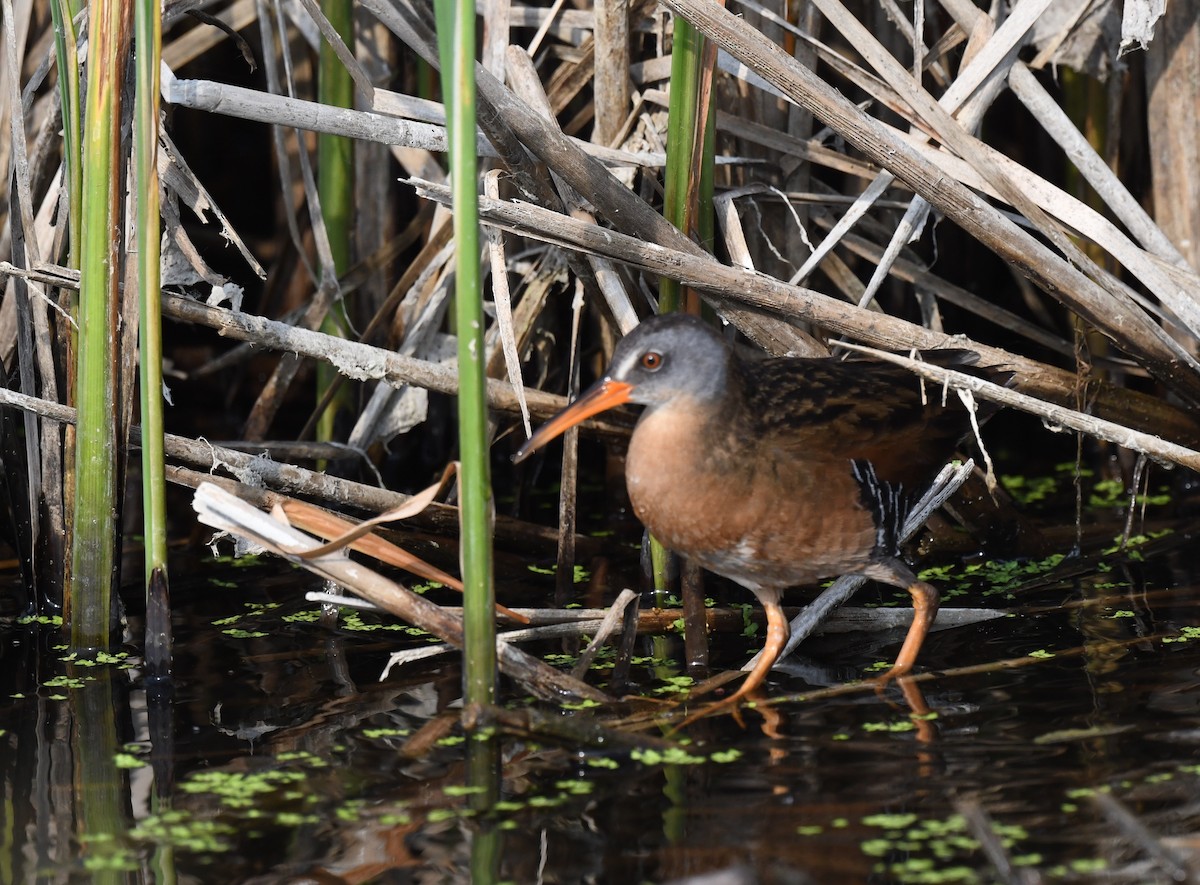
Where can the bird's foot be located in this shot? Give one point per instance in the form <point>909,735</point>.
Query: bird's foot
<point>731,705</point>
<point>777,632</point>
<point>895,674</point>
<point>711,710</point>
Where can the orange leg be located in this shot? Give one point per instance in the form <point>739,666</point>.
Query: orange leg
<point>925,606</point>
<point>777,636</point>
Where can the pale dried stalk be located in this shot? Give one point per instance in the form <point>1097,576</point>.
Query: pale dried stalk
<point>764,293</point>
<point>609,196</point>
<point>194,42</point>
<point>1054,417</point>
<point>610,86</point>
<point>979,70</point>
<point>217,508</point>
<point>1173,121</point>
<point>524,80</point>
<point>1124,322</point>
<point>502,298</point>
<point>363,362</point>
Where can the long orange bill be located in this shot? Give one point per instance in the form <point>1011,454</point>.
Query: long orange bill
<point>605,395</point>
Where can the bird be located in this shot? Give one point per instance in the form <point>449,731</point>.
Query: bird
<point>774,472</point>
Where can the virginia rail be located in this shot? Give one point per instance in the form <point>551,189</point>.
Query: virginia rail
<point>776,472</point>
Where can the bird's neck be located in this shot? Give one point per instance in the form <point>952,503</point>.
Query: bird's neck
<point>707,423</point>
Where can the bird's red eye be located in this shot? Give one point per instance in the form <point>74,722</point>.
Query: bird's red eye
<point>652,360</point>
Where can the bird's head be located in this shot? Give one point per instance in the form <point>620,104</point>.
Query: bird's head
<point>666,359</point>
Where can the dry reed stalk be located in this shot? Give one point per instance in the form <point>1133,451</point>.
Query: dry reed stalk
<point>766,294</point>
<point>221,510</point>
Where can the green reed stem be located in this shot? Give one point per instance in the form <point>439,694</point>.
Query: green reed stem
<point>67,55</point>
<point>682,125</point>
<point>683,122</point>
<point>93,541</point>
<point>456,50</point>
<point>335,186</point>
<point>148,28</point>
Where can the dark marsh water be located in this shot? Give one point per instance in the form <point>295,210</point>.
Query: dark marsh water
<point>281,757</point>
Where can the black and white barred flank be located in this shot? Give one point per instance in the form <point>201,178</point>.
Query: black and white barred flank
<point>888,504</point>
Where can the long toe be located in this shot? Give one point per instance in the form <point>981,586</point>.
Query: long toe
<point>777,635</point>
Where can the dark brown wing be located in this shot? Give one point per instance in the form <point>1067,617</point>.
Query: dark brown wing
<point>825,409</point>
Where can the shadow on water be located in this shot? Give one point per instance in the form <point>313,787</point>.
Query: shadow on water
<point>281,756</point>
